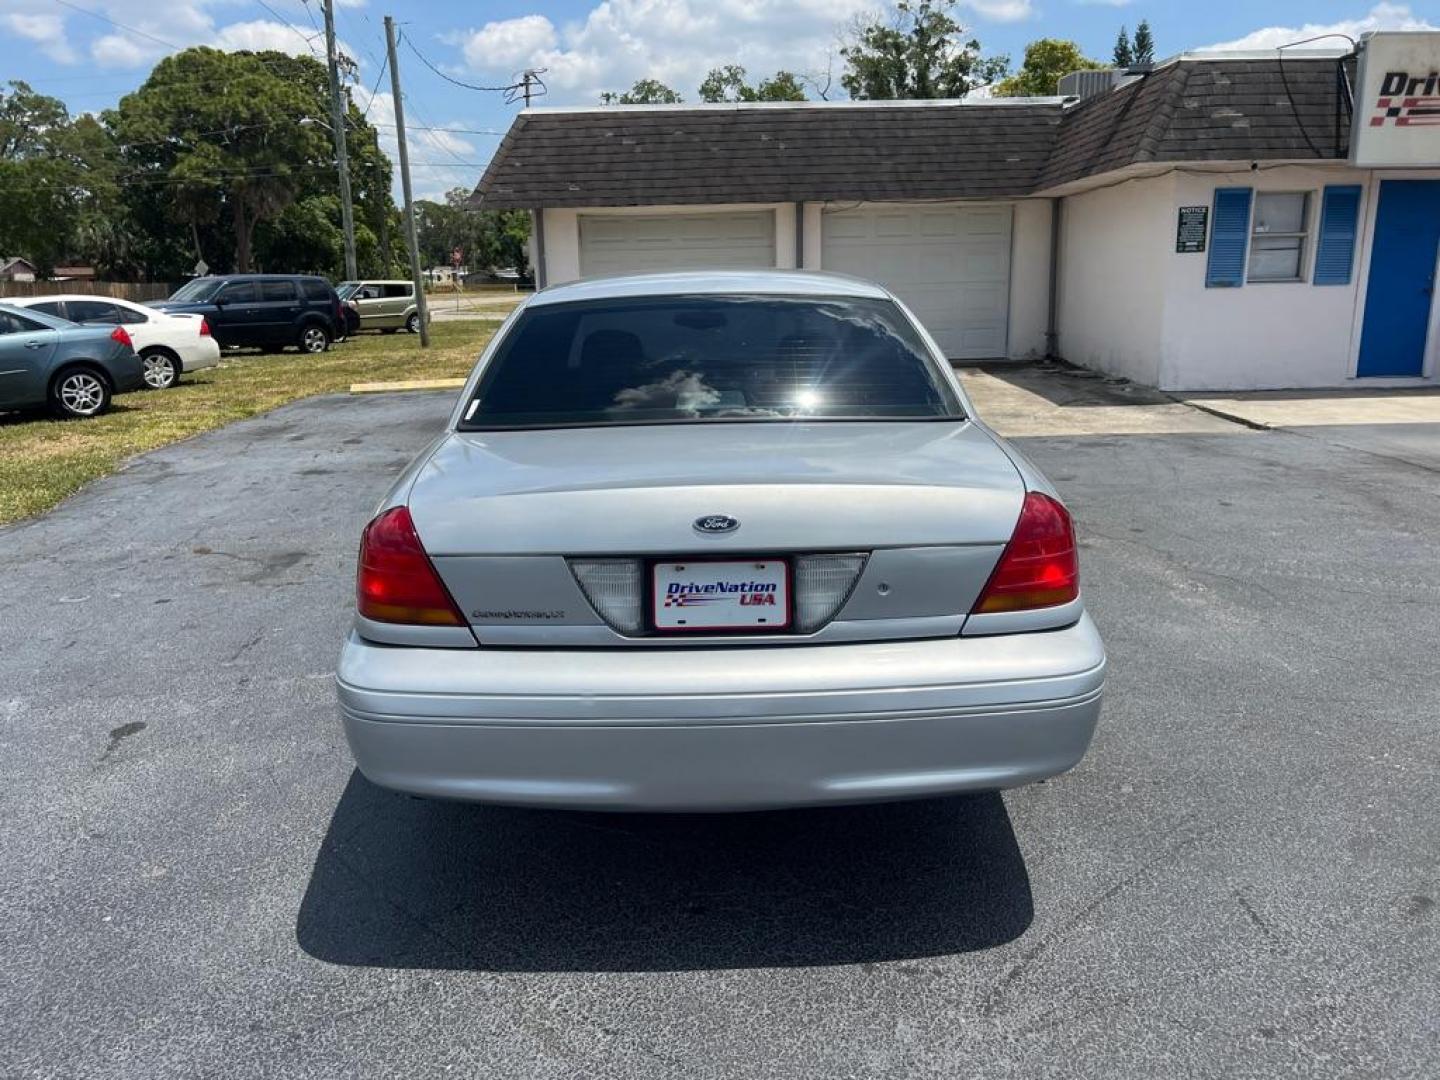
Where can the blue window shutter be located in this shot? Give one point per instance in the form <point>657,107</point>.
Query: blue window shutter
<point>1229,238</point>
<point>1339,224</point>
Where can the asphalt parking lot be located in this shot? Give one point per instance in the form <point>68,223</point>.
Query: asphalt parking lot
<point>1240,880</point>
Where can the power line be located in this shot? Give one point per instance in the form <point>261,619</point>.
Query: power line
<point>528,78</point>
<point>311,16</point>
<point>1289,95</point>
<point>128,29</point>
<point>146,35</point>
<point>468,86</point>
<point>203,181</point>
<point>306,38</point>
<point>456,130</point>
<point>375,90</point>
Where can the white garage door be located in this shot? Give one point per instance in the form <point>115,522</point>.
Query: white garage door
<point>950,265</point>
<point>638,243</point>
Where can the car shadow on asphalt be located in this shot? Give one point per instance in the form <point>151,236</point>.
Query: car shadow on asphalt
<point>409,883</point>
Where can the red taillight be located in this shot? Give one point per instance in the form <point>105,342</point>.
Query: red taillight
<point>397,582</point>
<point>204,326</point>
<point>122,335</point>
<point>1039,567</point>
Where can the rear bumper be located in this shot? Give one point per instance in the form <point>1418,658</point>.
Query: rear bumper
<point>724,729</point>
<point>204,354</point>
<point>127,373</point>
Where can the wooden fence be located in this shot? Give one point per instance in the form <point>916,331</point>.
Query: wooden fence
<point>120,290</point>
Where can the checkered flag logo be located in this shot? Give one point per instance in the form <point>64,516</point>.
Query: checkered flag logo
<point>1407,111</point>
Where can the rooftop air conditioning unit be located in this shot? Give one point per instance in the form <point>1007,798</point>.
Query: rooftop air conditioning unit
<point>1084,84</point>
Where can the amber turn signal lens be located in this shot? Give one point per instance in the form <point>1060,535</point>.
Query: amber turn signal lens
<point>1039,567</point>
<point>397,582</point>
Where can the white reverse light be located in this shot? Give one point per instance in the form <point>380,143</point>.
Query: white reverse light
<point>822,585</point>
<point>613,587</point>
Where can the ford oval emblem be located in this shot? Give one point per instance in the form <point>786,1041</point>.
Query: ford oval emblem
<point>716,523</point>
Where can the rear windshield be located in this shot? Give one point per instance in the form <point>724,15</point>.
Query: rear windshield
<point>687,359</point>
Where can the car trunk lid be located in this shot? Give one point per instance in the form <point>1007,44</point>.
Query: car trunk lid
<point>640,490</point>
<point>523,524</point>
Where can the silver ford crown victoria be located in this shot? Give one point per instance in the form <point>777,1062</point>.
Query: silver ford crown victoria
<point>717,541</point>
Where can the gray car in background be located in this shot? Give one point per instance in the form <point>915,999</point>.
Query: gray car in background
<point>718,541</point>
<point>386,305</point>
<point>72,369</point>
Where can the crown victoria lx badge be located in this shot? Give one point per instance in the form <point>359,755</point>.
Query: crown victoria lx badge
<point>716,523</point>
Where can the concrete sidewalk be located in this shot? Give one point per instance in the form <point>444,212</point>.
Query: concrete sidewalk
<point>1316,408</point>
<point>1021,400</point>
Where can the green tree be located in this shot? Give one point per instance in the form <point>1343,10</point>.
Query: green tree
<point>305,237</point>
<point>920,53</point>
<point>488,239</point>
<point>26,118</point>
<point>508,236</point>
<point>728,84</point>
<point>644,92</point>
<point>218,148</point>
<point>57,178</point>
<point>220,132</point>
<point>99,231</point>
<point>1124,54</point>
<point>1144,43</point>
<point>1045,61</point>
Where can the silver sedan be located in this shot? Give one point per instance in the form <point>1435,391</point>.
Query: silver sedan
<point>719,541</point>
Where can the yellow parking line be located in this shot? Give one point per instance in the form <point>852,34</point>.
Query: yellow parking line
<point>405,384</point>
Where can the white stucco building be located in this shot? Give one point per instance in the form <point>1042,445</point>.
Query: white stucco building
<point>1223,221</point>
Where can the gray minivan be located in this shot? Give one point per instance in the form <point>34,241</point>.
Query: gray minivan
<point>382,304</point>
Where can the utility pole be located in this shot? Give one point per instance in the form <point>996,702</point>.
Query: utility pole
<point>531,77</point>
<point>337,121</point>
<point>410,241</point>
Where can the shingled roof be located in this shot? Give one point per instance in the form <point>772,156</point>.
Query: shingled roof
<point>1190,110</point>
<point>629,155</point>
<point>1205,110</point>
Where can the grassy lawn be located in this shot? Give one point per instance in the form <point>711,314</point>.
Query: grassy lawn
<point>43,461</point>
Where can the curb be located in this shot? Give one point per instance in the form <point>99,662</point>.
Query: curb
<point>1221,414</point>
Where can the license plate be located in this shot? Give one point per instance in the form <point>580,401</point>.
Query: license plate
<point>753,594</point>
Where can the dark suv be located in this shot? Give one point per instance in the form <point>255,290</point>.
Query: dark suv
<point>269,311</point>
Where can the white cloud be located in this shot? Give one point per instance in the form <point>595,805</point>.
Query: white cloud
<point>509,44</point>
<point>47,31</point>
<point>1383,16</point>
<point>1001,10</point>
<point>119,51</point>
<point>265,34</point>
<point>675,41</point>
<point>153,29</point>
<point>1105,3</point>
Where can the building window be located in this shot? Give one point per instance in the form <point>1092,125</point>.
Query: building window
<point>1277,236</point>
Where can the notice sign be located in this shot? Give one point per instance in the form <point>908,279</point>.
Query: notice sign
<point>1191,229</point>
<point>1397,101</point>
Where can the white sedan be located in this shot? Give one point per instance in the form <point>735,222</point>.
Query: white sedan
<point>168,344</point>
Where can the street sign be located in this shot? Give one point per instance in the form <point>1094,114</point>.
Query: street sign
<point>1191,228</point>
<point>202,268</point>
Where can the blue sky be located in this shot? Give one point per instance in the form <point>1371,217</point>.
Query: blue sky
<point>90,52</point>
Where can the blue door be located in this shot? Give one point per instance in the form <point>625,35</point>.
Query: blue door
<point>1402,279</point>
